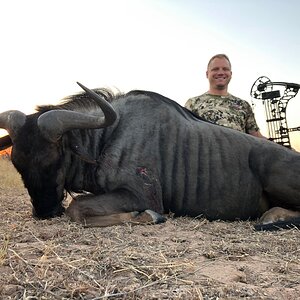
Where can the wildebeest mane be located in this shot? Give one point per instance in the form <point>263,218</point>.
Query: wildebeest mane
<point>80,101</point>
<point>158,97</point>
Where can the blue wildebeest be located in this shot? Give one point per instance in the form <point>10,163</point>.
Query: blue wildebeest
<point>136,156</point>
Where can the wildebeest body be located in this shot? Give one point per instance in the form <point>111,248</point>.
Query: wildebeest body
<point>156,155</point>
<point>189,170</point>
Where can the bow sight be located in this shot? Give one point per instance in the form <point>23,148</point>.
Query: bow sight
<point>275,102</point>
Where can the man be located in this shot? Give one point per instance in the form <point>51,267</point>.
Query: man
<point>220,107</point>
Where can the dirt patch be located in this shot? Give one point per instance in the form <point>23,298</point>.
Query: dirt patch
<point>183,258</point>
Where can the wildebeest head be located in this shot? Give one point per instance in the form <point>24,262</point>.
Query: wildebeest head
<point>38,150</point>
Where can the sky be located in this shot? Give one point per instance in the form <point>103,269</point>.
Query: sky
<point>159,45</point>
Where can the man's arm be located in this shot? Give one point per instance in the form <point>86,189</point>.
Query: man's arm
<point>257,134</point>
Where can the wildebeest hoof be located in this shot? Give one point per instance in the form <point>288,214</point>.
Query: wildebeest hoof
<point>276,214</point>
<point>147,217</point>
<point>156,217</point>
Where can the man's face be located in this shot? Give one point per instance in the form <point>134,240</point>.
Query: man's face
<point>219,73</point>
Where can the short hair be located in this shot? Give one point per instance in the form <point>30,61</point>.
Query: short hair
<point>221,55</point>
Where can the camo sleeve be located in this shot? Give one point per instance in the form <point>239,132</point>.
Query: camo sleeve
<point>193,105</point>
<point>188,104</point>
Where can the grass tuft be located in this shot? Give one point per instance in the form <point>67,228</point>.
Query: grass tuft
<point>9,177</point>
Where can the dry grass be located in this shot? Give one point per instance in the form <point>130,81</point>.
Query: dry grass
<point>183,258</point>
<point>9,178</point>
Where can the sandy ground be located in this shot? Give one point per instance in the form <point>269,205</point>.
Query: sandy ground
<point>183,258</point>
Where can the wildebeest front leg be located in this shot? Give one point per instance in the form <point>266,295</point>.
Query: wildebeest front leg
<point>110,209</point>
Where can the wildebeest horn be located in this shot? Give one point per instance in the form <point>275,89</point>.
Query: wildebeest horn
<point>56,122</point>
<point>12,121</point>
<point>109,112</point>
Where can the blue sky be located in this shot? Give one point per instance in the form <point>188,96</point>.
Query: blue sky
<point>159,45</point>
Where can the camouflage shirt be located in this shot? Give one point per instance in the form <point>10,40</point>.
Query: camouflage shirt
<point>229,111</point>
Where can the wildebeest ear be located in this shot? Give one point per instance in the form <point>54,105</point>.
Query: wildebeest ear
<point>5,142</point>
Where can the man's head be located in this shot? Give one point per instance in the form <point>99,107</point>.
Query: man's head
<point>219,73</point>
